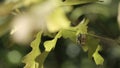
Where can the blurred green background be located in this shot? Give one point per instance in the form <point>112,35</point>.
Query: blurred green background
<point>103,21</point>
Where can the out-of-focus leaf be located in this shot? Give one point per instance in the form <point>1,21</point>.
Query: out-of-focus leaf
<point>5,24</point>
<point>29,59</point>
<point>119,16</point>
<point>49,45</point>
<point>77,2</point>
<point>85,48</point>
<point>92,44</point>
<point>97,57</point>
<point>29,2</point>
<point>89,9</point>
<point>57,20</point>
<point>5,9</point>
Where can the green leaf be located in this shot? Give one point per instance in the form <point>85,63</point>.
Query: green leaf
<point>57,20</point>
<point>29,59</point>
<point>82,27</point>
<point>78,2</point>
<point>92,44</point>
<point>97,57</point>
<point>5,24</point>
<point>49,45</point>
<point>71,34</point>
<point>41,58</point>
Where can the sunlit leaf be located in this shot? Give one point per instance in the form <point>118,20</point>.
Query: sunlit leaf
<point>29,59</point>
<point>66,33</point>
<point>97,57</point>
<point>82,27</point>
<point>49,45</point>
<point>77,2</point>
<point>71,34</point>
<point>53,16</point>
<point>57,20</point>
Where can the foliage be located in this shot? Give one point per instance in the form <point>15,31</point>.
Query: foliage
<point>30,58</point>
<point>52,21</point>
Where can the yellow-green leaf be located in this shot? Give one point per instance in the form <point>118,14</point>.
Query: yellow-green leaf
<point>57,20</point>
<point>29,59</point>
<point>41,58</point>
<point>92,44</point>
<point>78,2</point>
<point>49,45</point>
<point>82,27</point>
<point>97,57</point>
<point>71,34</point>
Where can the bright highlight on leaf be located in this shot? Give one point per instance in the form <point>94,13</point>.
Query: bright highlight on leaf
<point>57,20</point>
<point>29,59</point>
